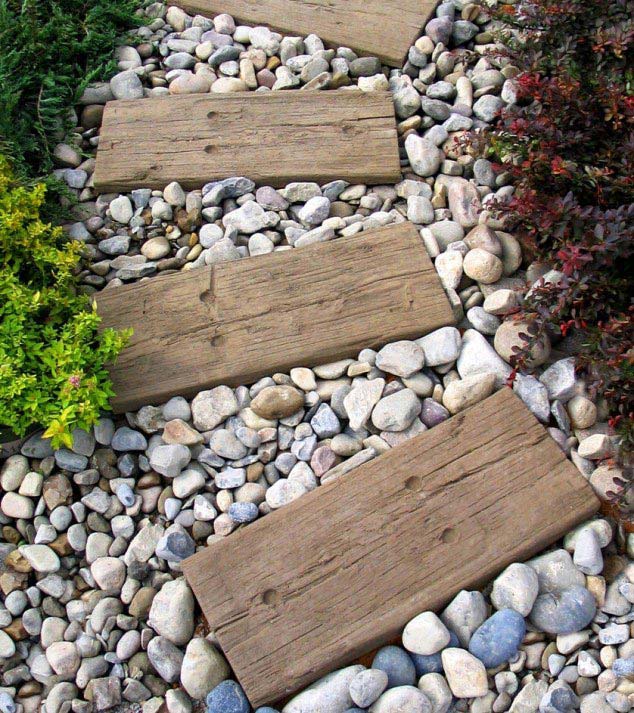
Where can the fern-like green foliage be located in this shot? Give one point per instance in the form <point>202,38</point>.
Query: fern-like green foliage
<point>50,50</point>
<point>52,355</point>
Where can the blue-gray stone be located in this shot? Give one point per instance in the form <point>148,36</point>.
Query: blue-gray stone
<point>433,662</point>
<point>125,495</point>
<point>433,413</point>
<point>227,697</point>
<point>624,667</point>
<point>37,447</point>
<point>325,422</point>
<point>563,612</point>
<point>497,640</point>
<point>73,462</point>
<point>127,439</point>
<point>463,31</point>
<point>175,545</point>
<point>7,704</point>
<point>224,54</point>
<point>397,664</point>
<point>237,186</point>
<point>559,698</point>
<point>266,709</point>
<point>243,512</point>
<point>128,465</point>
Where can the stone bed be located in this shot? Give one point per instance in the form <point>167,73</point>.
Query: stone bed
<point>95,612</point>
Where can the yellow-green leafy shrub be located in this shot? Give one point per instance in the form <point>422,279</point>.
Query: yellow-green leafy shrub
<point>52,356</point>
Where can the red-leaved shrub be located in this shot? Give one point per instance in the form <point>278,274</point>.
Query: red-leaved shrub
<point>568,143</point>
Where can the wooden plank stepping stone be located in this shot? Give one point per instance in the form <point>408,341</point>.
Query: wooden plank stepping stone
<point>237,321</point>
<point>273,138</point>
<point>370,27</point>
<point>341,570</point>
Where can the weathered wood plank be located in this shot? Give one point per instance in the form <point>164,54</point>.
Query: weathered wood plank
<point>341,570</point>
<point>273,138</point>
<point>370,27</point>
<point>237,321</point>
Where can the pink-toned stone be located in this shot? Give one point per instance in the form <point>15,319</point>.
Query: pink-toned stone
<point>323,460</point>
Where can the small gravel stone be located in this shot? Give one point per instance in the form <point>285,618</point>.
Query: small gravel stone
<point>243,512</point>
<point>367,686</point>
<point>169,460</point>
<point>498,639</point>
<point>127,439</point>
<point>361,400</point>
<point>481,266</point>
<point>401,358</point>
<point>126,85</point>
<point>41,558</point>
<point>402,698</point>
<point>425,634</point>
<point>211,408</point>
<point>466,675</point>
<point>166,658</point>
<point>277,402</point>
<point>587,555</point>
<point>398,666</point>
<point>203,668</point>
<point>516,588</point>
<point>563,612</point>
<point>441,346</point>
<point>424,156</point>
<point>464,614</point>
<point>283,492</point>
<point>121,210</point>
<point>329,694</point>
<point>466,392</point>
<point>172,612</point>
<point>397,411</point>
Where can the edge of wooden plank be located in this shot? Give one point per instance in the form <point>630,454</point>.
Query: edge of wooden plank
<point>110,303</point>
<point>391,59</point>
<point>117,111</point>
<point>584,505</point>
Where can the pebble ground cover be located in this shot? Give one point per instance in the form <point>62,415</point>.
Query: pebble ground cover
<point>95,613</point>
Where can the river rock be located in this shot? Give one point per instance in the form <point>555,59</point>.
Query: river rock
<point>508,337</point>
<point>166,658</point>
<point>331,694</point>
<point>402,698</point>
<point>465,674</point>
<point>367,686</point>
<point>172,612</point>
<point>211,408</point>
<point>401,358</point>
<point>277,402</point>
<point>498,639</point>
<point>462,393</point>
<point>399,667</point>
<point>441,346</point>
<point>516,588</point>
<point>425,634</point>
<point>397,411</point>
<point>563,612</point>
<point>478,357</point>
<point>360,401</point>
<point>424,156</point>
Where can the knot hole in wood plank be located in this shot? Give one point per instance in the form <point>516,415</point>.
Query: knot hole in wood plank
<point>449,535</point>
<point>415,485</point>
<point>271,597</point>
<point>210,149</point>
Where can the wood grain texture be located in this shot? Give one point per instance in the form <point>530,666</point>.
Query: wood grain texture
<point>237,321</point>
<point>382,28</point>
<point>273,138</point>
<point>341,570</point>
